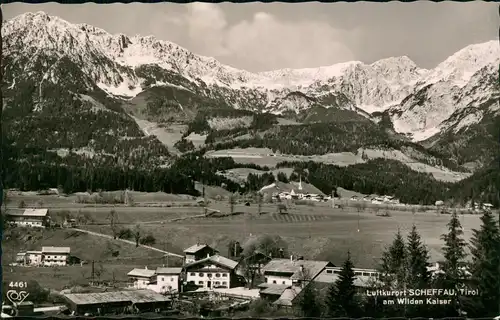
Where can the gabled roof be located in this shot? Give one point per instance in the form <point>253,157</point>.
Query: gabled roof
<point>32,213</point>
<point>56,249</point>
<point>216,259</point>
<point>276,289</point>
<point>312,267</point>
<point>163,270</point>
<point>197,247</point>
<point>288,296</point>
<point>146,273</point>
<point>134,296</point>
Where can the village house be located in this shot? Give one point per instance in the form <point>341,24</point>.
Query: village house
<point>34,258</point>
<point>257,261</point>
<point>364,278</point>
<point>198,252</point>
<point>168,279</point>
<point>116,302</point>
<point>142,278</point>
<point>286,278</point>
<point>437,268</point>
<point>48,256</point>
<point>212,272</point>
<point>37,218</point>
<point>55,256</point>
<point>21,258</point>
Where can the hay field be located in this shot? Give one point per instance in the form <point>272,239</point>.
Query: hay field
<point>32,199</point>
<point>114,257</point>
<point>318,232</point>
<point>266,157</point>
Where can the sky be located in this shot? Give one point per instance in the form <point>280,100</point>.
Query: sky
<point>269,36</point>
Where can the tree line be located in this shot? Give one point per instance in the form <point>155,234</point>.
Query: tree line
<point>469,288</point>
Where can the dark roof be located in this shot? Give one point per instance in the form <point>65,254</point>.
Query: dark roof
<point>276,289</point>
<point>146,273</point>
<point>56,250</point>
<point>163,270</point>
<point>134,296</point>
<point>312,267</point>
<point>197,247</point>
<point>218,260</point>
<point>32,213</point>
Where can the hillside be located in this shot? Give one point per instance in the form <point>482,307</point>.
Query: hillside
<point>80,99</point>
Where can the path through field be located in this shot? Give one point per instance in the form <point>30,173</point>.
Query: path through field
<point>127,241</point>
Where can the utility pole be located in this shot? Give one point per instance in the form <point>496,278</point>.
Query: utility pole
<point>163,262</point>
<point>92,276</point>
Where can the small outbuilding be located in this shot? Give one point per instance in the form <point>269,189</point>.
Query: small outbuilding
<point>117,302</point>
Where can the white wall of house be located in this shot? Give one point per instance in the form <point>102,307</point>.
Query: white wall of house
<point>36,224</point>
<point>33,259</point>
<point>279,280</point>
<point>189,258</point>
<point>141,283</point>
<point>55,259</point>
<point>216,279</point>
<point>166,283</point>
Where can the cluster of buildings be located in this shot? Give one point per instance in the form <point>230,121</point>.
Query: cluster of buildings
<point>205,269</point>
<point>300,194</point>
<point>47,257</point>
<point>376,199</point>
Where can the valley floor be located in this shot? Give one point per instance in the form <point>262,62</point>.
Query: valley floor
<point>314,230</point>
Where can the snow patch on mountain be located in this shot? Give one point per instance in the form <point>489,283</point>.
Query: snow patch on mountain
<point>419,101</point>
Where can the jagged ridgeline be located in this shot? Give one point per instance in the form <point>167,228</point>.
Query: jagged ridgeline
<point>76,95</point>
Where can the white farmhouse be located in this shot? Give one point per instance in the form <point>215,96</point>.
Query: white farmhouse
<point>55,256</point>
<point>37,218</point>
<point>167,279</point>
<point>142,278</point>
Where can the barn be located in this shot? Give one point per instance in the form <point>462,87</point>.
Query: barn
<point>117,302</point>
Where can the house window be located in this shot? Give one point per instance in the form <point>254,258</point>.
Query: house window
<point>224,274</point>
<point>217,275</point>
<point>217,282</point>
<point>224,283</point>
<point>209,275</point>
<point>283,282</point>
<point>162,279</point>
<point>200,274</point>
<point>171,279</point>
<point>200,282</point>
<point>274,281</point>
<point>329,271</point>
<point>193,274</point>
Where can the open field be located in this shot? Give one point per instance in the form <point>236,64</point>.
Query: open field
<point>114,257</point>
<point>313,231</point>
<point>266,157</point>
<point>32,199</point>
<point>241,174</point>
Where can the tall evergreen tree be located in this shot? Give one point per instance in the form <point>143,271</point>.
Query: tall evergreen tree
<point>342,300</point>
<point>485,275</point>
<point>308,305</point>
<point>393,266</point>
<point>419,276</point>
<point>393,273</point>
<point>453,274</point>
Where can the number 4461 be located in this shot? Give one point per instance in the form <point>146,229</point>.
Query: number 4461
<point>18,284</point>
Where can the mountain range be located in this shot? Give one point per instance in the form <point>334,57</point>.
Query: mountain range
<point>77,89</point>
